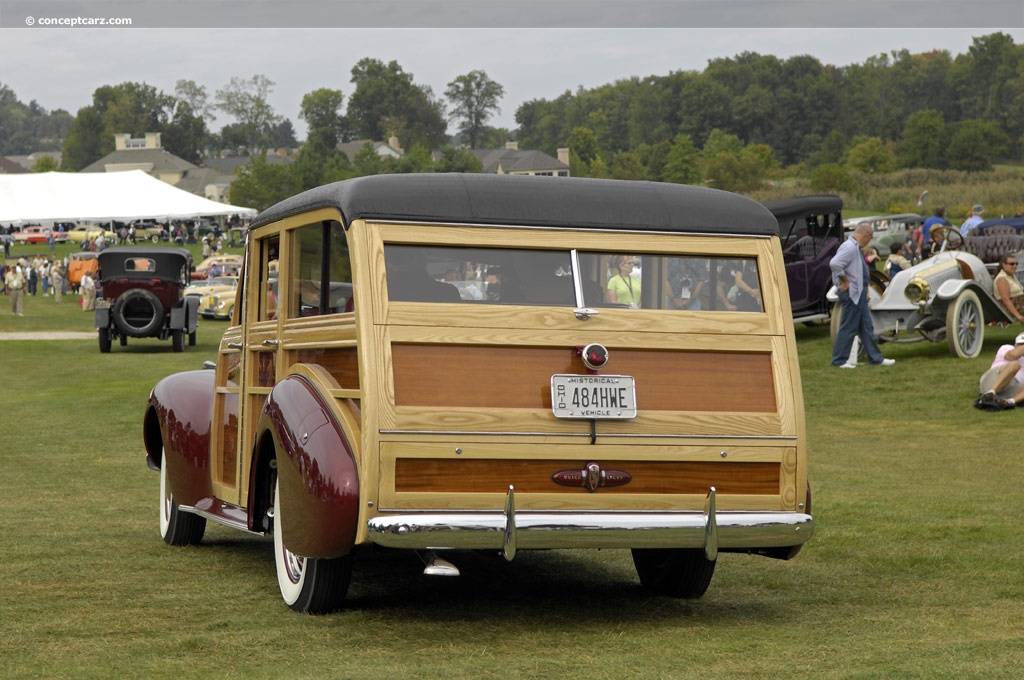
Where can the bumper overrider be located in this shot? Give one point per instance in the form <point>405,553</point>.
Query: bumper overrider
<point>511,530</point>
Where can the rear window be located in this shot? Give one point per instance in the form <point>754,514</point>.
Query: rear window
<point>139,264</point>
<point>510,276</point>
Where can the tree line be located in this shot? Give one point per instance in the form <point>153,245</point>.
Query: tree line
<point>739,122</point>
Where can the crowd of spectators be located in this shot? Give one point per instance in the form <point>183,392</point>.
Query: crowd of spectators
<point>38,276</point>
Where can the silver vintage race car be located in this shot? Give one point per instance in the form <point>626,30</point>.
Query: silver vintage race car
<point>946,297</point>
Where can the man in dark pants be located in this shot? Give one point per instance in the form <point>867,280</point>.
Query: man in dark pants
<point>851,277</point>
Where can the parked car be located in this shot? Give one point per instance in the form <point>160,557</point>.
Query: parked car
<point>142,296</point>
<point>218,301</point>
<point>946,297</point>
<point>810,229</point>
<point>889,229</point>
<point>222,263</point>
<point>150,231</point>
<point>203,286</point>
<point>38,234</point>
<point>78,264</point>
<point>82,232</point>
<point>434,365</point>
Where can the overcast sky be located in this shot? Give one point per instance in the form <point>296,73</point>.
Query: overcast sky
<point>547,53</point>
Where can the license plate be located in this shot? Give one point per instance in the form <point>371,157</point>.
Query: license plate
<point>593,396</point>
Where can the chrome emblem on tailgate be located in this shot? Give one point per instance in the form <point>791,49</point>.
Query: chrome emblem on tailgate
<point>591,477</point>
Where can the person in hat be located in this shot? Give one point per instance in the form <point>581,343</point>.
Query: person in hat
<point>1001,387</point>
<point>923,235</point>
<point>976,217</point>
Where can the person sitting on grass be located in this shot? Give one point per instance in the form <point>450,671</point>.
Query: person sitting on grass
<point>1001,387</point>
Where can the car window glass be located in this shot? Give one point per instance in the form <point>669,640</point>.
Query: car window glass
<point>321,271</point>
<point>480,275</point>
<point>139,264</point>
<point>671,282</point>
<point>268,251</point>
<point>417,273</point>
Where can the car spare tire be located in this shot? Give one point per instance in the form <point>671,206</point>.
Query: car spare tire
<point>138,313</point>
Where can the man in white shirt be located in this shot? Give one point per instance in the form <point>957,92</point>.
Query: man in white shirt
<point>851,277</point>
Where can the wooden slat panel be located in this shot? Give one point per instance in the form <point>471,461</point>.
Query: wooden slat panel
<point>229,438</point>
<point>530,476</point>
<point>341,363</point>
<point>519,377</point>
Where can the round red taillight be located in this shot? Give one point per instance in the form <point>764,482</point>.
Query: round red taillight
<point>595,356</point>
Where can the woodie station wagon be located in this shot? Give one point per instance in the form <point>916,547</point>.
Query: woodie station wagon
<point>442,363</point>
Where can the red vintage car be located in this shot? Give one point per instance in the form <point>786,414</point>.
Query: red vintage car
<point>37,234</point>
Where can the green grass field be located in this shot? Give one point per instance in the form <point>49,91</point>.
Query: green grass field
<point>914,571</point>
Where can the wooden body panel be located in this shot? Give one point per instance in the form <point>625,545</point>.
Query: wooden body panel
<point>463,400</point>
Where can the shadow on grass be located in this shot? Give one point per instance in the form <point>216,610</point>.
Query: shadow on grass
<point>576,587</point>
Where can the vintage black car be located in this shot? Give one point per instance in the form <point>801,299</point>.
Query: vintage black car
<point>811,229</point>
<point>143,296</point>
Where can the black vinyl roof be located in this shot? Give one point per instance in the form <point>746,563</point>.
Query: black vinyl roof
<point>797,206</point>
<point>169,261</point>
<point>534,201</point>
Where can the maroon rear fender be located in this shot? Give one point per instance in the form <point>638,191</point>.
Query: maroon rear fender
<point>178,417</point>
<point>316,470</point>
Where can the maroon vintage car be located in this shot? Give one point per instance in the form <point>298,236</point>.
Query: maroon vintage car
<point>143,296</point>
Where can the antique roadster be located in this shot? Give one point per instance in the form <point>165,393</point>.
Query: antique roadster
<point>142,296</point>
<point>946,297</point>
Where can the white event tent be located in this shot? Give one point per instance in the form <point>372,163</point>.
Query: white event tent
<point>100,197</point>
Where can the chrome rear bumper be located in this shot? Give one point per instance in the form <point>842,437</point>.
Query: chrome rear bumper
<point>510,530</point>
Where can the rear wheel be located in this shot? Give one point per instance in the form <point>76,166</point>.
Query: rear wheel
<point>308,585</point>
<point>192,339</point>
<point>104,340</point>
<point>965,325</point>
<point>123,340</point>
<point>677,572</point>
<point>177,527</point>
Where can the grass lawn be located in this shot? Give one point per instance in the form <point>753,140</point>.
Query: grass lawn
<point>914,571</point>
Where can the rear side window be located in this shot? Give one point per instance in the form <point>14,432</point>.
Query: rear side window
<point>321,271</point>
<point>510,276</point>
